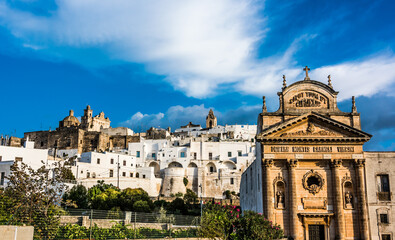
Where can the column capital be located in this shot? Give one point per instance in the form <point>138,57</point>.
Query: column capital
<point>268,163</point>
<point>336,163</point>
<point>292,163</point>
<point>359,163</point>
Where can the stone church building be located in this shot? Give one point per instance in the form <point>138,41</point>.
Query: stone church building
<point>93,133</point>
<point>311,173</point>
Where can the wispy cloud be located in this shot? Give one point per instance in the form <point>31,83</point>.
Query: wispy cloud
<point>361,78</point>
<point>200,47</point>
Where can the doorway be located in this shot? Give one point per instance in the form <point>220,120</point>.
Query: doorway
<point>316,232</point>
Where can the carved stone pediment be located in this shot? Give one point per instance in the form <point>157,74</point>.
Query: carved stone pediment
<point>310,129</point>
<point>312,126</point>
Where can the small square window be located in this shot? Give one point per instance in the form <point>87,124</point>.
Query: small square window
<point>124,162</point>
<point>232,181</point>
<point>239,153</point>
<point>131,174</point>
<point>210,156</point>
<point>153,155</point>
<point>112,161</point>
<point>383,218</point>
<point>182,154</point>
<point>138,154</point>
<point>123,174</point>
<point>385,236</point>
<point>143,176</point>
<point>111,173</point>
<point>229,154</point>
<point>98,161</point>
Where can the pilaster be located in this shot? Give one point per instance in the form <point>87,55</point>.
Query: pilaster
<point>338,200</point>
<point>269,209</point>
<point>363,213</point>
<point>293,205</point>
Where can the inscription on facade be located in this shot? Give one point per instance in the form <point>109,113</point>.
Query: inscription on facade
<point>308,100</point>
<point>320,149</point>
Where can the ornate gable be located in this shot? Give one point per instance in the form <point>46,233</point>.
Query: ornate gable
<point>312,127</point>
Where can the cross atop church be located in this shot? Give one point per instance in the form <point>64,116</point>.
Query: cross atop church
<point>306,69</point>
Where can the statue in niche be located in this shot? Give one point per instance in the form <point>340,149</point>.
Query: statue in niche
<point>280,199</point>
<point>348,199</point>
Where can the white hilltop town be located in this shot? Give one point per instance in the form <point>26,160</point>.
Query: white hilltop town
<point>302,166</point>
<point>209,161</point>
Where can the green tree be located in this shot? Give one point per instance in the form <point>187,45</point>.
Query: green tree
<point>226,222</point>
<point>218,221</point>
<point>101,197</point>
<point>227,194</point>
<point>255,226</point>
<point>77,196</point>
<point>185,180</point>
<point>177,206</point>
<point>129,197</point>
<point>141,206</point>
<point>68,174</point>
<point>190,197</point>
<point>34,195</point>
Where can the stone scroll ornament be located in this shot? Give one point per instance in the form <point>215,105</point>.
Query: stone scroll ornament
<point>313,182</point>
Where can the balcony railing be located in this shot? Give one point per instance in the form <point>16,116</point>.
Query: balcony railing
<point>384,196</point>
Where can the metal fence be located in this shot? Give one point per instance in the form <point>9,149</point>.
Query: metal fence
<point>103,224</point>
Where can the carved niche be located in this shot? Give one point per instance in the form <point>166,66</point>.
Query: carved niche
<point>313,182</point>
<point>348,192</point>
<point>279,190</point>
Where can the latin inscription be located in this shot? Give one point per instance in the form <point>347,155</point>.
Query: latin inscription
<point>345,149</point>
<point>320,149</point>
<point>308,100</point>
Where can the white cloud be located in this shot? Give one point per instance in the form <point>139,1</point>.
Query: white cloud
<point>201,47</point>
<point>177,116</point>
<point>360,78</point>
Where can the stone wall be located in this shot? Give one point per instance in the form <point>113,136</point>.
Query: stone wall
<point>8,232</point>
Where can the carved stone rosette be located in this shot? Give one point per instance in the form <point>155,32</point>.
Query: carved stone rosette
<point>315,187</point>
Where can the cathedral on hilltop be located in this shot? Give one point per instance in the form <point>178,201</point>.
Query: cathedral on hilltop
<point>311,174</point>
<point>93,133</point>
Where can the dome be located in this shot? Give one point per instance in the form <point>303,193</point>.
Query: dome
<point>70,120</point>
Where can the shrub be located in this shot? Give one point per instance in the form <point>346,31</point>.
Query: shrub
<point>255,226</point>
<point>225,222</point>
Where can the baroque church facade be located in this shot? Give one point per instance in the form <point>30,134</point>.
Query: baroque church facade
<point>310,175</point>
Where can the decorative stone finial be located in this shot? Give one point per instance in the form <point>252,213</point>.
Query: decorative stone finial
<point>306,69</point>
<point>354,108</point>
<point>284,82</point>
<point>264,109</point>
<point>71,113</point>
<point>329,81</point>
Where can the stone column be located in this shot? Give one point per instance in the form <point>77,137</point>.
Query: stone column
<point>269,209</point>
<point>338,199</point>
<point>293,204</point>
<point>362,209</point>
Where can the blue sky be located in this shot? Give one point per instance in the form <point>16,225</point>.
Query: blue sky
<point>165,63</point>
